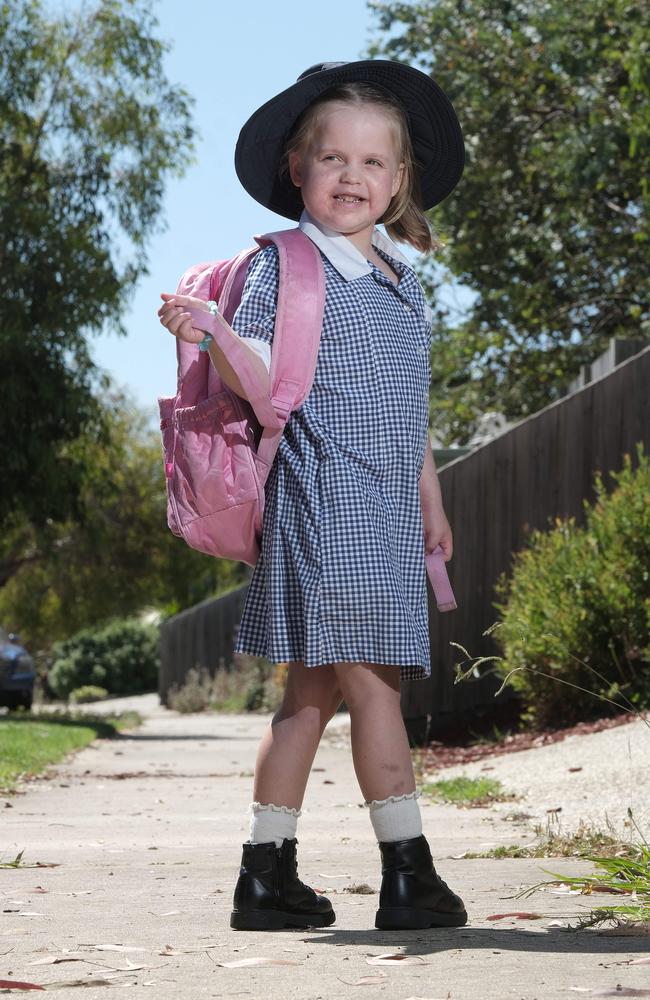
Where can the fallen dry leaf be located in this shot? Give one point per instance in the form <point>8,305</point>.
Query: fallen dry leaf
<point>168,950</point>
<point>115,947</point>
<point>245,962</point>
<point>366,980</point>
<point>390,958</point>
<point>611,889</point>
<point>7,985</point>
<point>519,915</point>
<point>66,984</point>
<point>640,961</point>
<point>616,991</point>
<point>55,960</point>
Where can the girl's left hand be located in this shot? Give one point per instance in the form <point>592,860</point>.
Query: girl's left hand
<point>437,530</point>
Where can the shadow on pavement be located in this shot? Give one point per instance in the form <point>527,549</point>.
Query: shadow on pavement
<point>150,737</point>
<point>439,940</point>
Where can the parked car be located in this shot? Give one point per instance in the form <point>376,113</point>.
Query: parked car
<point>17,673</point>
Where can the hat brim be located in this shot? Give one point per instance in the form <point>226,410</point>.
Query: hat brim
<point>435,132</point>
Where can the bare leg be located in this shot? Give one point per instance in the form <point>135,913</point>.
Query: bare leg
<point>380,747</point>
<point>289,745</point>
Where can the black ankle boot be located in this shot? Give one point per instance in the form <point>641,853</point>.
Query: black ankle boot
<point>269,895</point>
<point>412,894</point>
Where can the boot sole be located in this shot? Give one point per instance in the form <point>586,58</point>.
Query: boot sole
<point>402,919</point>
<point>271,920</point>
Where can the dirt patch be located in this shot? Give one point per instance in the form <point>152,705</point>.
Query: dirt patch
<point>438,754</point>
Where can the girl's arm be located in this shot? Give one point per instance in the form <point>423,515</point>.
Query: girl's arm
<point>173,315</point>
<point>437,530</point>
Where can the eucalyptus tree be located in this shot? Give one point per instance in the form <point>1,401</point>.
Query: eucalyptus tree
<point>549,226</point>
<point>90,130</point>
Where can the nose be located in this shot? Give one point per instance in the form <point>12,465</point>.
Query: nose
<point>350,174</point>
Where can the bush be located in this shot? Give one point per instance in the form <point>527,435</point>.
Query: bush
<point>88,692</point>
<point>195,695</point>
<point>583,594</point>
<point>122,657</point>
<point>251,685</point>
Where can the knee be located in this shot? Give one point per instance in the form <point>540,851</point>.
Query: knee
<point>368,690</point>
<point>311,712</point>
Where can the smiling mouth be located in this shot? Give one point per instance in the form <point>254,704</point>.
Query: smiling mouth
<point>345,199</point>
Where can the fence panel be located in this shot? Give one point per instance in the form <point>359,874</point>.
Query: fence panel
<point>201,637</point>
<point>538,470</point>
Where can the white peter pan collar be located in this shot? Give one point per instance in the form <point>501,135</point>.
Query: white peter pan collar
<point>341,252</point>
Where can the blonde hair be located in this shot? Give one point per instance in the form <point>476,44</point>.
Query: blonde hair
<point>404,218</point>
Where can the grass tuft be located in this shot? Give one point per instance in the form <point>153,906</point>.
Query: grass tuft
<point>585,842</point>
<point>465,791</point>
<point>621,876</point>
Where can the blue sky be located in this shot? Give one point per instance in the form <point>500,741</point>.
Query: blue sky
<point>231,58</point>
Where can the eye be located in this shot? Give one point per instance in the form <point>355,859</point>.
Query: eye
<point>379,164</point>
<point>330,156</point>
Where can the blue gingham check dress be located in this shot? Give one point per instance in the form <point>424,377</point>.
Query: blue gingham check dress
<point>341,575</point>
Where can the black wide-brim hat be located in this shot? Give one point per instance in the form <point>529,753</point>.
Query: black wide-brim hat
<point>435,131</point>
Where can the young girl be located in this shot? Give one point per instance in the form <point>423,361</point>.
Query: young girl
<point>353,499</point>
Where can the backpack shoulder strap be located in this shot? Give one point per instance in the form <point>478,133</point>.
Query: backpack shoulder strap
<point>298,323</point>
<point>299,318</point>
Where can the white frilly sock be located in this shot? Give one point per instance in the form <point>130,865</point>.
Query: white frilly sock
<point>270,822</point>
<point>396,818</point>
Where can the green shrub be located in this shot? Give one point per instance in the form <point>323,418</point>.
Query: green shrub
<point>195,695</point>
<point>251,685</point>
<point>583,594</point>
<point>86,693</point>
<point>122,657</point>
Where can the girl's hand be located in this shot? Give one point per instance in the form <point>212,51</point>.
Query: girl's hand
<point>437,530</point>
<point>174,315</point>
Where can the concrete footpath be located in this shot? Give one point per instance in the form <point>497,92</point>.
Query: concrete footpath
<point>138,842</point>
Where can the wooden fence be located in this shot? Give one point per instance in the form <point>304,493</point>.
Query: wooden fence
<point>540,469</point>
<point>201,637</point>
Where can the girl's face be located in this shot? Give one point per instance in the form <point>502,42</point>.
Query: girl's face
<point>350,170</point>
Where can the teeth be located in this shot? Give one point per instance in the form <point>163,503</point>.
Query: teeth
<point>348,199</point>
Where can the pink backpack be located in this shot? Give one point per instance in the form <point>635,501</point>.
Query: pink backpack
<point>218,448</point>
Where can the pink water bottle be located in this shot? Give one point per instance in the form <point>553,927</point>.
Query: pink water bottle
<point>437,570</point>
